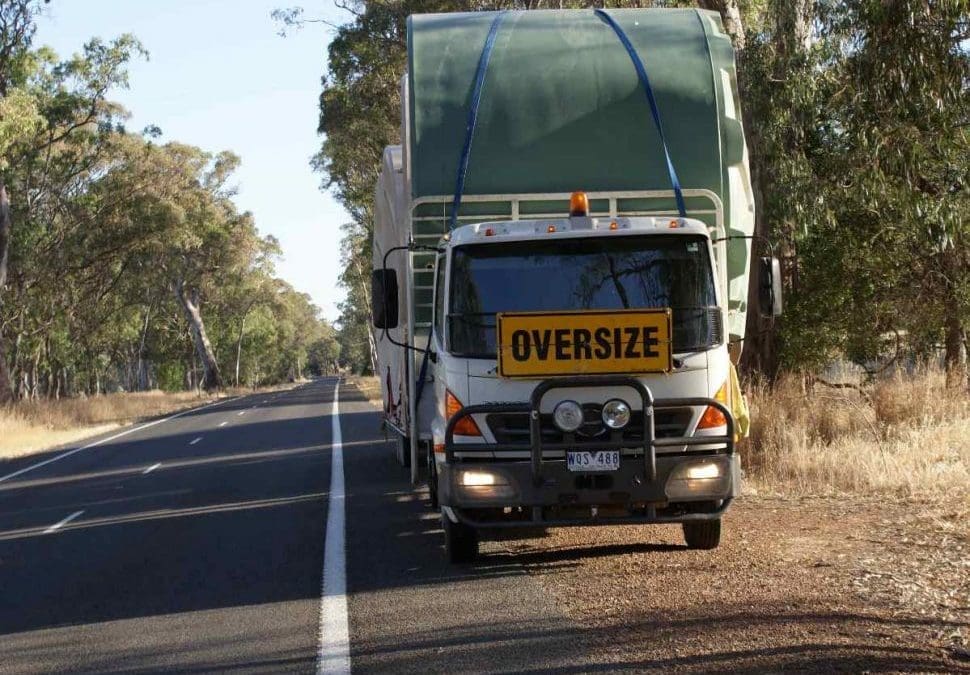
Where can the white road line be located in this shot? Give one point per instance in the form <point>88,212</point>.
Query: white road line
<point>334,653</point>
<point>56,526</point>
<point>195,440</point>
<point>110,438</point>
<point>222,424</point>
<point>151,468</point>
<point>242,412</point>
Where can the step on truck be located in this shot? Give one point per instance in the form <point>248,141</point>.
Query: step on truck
<point>562,246</point>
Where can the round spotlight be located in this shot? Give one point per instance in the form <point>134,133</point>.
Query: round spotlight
<point>568,416</point>
<point>616,414</point>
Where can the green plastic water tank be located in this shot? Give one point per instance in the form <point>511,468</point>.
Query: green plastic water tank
<point>562,109</point>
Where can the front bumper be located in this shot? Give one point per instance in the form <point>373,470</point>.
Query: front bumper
<point>646,488</point>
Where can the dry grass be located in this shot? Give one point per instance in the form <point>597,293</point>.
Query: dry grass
<point>369,386</point>
<point>34,426</point>
<point>907,436</point>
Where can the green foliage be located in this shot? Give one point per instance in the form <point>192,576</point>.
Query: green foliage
<point>170,376</point>
<point>323,355</point>
<point>866,142</point>
<point>354,335</point>
<point>107,224</point>
<point>19,118</point>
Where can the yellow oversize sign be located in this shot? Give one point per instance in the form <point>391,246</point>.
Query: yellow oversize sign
<point>539,344</point>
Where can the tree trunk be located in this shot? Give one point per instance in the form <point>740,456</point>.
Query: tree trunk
<point>795,27</point>
<point>190,303</point>
<point>6,222</point>
<point>730,16</point>
<point>955,337</point>
<point>34,374</point>
<point>373,349</point>
<point>142,373</point>
<point>242,328</point>
<point>955,358</point>
<point>365,291</point>
<point>6,390</point>
<point>239,341</point>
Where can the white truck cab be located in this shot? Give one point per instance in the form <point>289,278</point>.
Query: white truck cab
<point>580,377</point>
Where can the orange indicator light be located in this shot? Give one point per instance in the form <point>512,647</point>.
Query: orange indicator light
<point>713,417</point>
<point>466,425</point>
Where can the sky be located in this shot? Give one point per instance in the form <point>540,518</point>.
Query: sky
<point>219,77</point>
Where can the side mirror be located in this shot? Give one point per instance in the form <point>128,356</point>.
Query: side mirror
<point>383,298</point>
<point>769,287</point>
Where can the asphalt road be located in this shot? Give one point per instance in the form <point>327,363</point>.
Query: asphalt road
<point>197,544</point>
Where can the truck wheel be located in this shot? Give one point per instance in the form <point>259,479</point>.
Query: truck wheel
<point>461,541</point>
<point>402,451</point>
<point>432,478</point>
<point>702,535</point>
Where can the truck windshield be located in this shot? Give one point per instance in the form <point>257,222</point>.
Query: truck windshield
<point>629,272</point>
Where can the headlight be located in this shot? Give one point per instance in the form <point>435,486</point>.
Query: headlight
<point>568,416</point>
<point>480,479</point>
<point>703,471</point>
<point>616,414</point>
<point>480,485</point>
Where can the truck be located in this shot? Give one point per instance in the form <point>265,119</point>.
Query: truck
<point>563,242</point>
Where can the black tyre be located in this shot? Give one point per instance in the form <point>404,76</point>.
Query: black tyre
<point>703,535</point>
<point>461,541</point>
<point>402,451</point>
<point>432,478</point>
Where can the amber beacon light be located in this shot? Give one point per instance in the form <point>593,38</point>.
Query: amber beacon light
<point>579,204</point>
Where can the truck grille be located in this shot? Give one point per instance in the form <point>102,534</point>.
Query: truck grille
<point>513,428</point>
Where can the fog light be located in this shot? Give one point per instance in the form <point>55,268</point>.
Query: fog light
<point>479,485</point>
<point>616,414</point>
<point>568,416</point>
<point>702,471</point>
<point>704,478</point>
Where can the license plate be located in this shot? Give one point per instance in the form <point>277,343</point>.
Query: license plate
<point>596,460</point>
<point>540,344</point>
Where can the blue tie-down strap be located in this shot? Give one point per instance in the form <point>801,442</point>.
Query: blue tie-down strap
<point>473,116</point>
<point>654,110</point>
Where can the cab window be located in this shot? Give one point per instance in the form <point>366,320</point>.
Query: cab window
<point>439,298</point>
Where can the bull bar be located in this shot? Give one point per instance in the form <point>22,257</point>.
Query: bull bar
<point>536,445</point>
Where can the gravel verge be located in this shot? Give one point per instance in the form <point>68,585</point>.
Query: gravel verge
<point>810,585</point>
